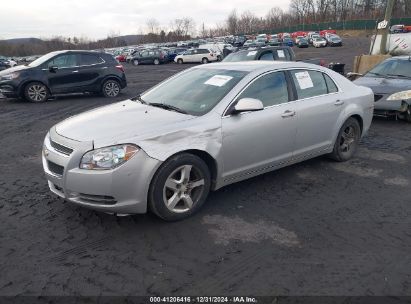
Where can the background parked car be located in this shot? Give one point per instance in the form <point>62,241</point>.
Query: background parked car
<point>283,53</point>
<point>334,40</point>
<point>391,83</point>
<point>64,72</point>
<point>302,43</point>
<point>149,57</point>
<point>319,42</point>
<point>288,41</point>
<point>196,55</point>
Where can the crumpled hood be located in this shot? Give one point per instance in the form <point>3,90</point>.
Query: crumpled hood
<point>384,85</point>
<point>119,122</point>
<point>14,69</point>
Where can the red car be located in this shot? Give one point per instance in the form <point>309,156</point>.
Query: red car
<point>121,58</point>
<point>322,33</point>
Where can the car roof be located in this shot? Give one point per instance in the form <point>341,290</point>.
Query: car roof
<point>258,66</point>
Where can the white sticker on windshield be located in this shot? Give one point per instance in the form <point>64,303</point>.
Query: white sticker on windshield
<point>252,53</point>
<point>218,80</point>
<point>280,53</point>
<point>304,80</point>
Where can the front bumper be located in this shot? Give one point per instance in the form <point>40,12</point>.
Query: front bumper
<point>122,190</point>
<point>8,89</point>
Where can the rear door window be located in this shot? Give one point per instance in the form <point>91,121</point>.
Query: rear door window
<point>90,59</point>
<point>267,56</point>
<point>309,83</point>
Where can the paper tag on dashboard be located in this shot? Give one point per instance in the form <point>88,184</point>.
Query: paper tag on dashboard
<point>280,53</point>
<point>252,53</point>
<point>218,80</point>
<point>304,80</point>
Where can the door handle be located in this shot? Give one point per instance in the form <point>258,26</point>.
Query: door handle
<point>339,102</point>
<point>75,71</point>
<point>288,113</point>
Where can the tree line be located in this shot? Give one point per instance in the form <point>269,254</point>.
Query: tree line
<point>246,22</point>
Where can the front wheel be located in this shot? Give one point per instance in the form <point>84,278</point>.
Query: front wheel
<point>180,187</point>
<point>347,140</point>
<point>180,61</point>
<point>111,88</point>
<point>204,61</point>
<point>36,92</point>
<point>135,62</point>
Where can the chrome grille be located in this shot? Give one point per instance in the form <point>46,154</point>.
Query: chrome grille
<point>60,148</point>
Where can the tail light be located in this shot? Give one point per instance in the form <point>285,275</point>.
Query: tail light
<point>211,54</point>
<point>323,63</point>
<point>120,67</point>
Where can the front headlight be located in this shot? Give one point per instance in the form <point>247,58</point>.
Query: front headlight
<point>400,95</point>
<point>107,158</point>
<point>10,76</point>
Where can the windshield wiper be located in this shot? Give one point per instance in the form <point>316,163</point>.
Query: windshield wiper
<point>376,74</point>
<point>167,107</point>
<point>138,98</point>
<point>399,75</point>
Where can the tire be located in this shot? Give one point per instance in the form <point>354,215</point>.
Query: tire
<point>36,92</point>
<point>347,140</point>
<point>219,58</point>
<point>183,196</point>
<point>204,60</point>
<point>111,88</point>
<point>156,61</point>
<point>135,62</point>
<point>180,61</point>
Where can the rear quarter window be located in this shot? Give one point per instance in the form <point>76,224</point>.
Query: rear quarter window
<point>90,59</point>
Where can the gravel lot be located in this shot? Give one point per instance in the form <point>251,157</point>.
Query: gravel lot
<point>315,228</point>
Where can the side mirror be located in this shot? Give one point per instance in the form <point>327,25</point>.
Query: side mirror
<point>248,104</point>
<point>53,68</point>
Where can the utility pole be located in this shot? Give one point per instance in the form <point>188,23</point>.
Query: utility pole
<point>385,31</point>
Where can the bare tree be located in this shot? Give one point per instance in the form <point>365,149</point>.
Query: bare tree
<point>152,26</point>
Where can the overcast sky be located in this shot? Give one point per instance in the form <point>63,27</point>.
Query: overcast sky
<point>97,18</point>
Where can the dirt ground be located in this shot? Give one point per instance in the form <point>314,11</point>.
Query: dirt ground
<point>315,228</point>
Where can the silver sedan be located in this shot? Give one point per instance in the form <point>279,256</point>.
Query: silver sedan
<point>200,130</point>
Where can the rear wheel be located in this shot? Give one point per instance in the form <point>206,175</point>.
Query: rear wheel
<point>180,187</point>
<point>204,60</point>
<point>347,140</point>
<point>36,92</point>
<point>180,61</point>
<point>111,88</point>
<point>156,61</point>
<point>135,62</point>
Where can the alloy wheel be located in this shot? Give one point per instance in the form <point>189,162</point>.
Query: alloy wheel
<point>183,188</point>
<point>348,139</point>
<point>112,89</point>
<point>37,92</point>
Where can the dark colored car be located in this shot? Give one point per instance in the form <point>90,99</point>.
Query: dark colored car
<point>283,53</point>
<point>302,43</point>
<point>274,42</point>
<point>174,52</point>
<point>64,72</point>
<point>3,64</point>
<point>150,57</point>
<point>334,41</point>
<point>391,83</point>
<point>288,42</point>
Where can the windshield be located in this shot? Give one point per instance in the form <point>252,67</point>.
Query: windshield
<point>196,91</point>
<point>240,56</point>
<point>42,59</point>
<point>392,67</point>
